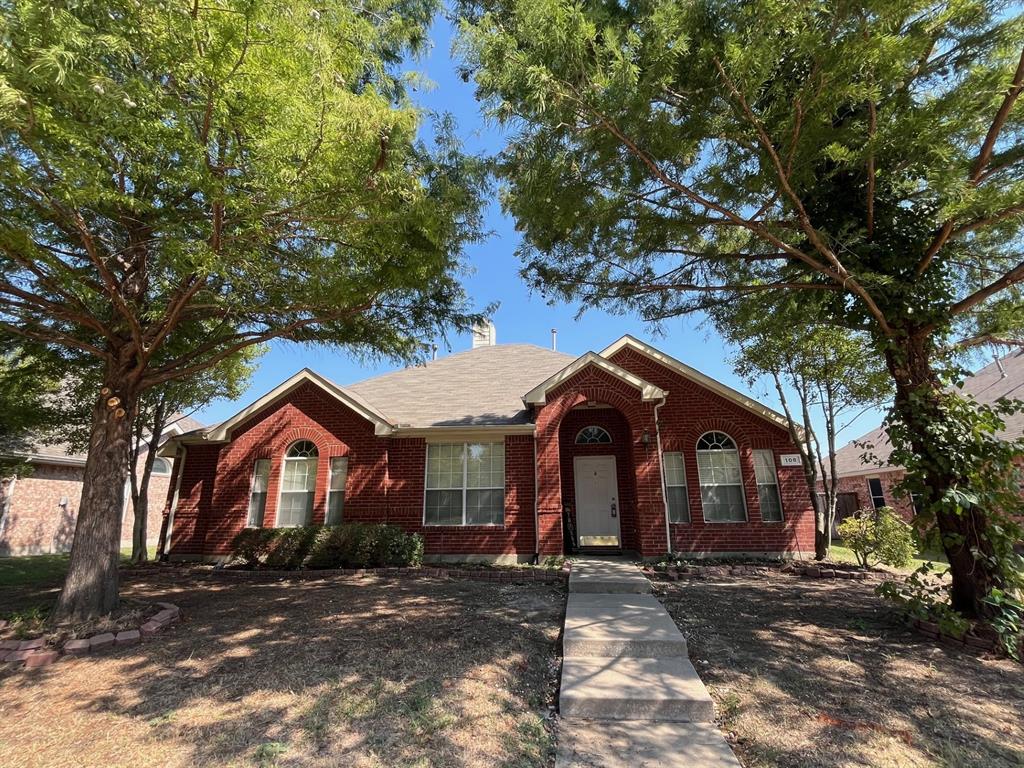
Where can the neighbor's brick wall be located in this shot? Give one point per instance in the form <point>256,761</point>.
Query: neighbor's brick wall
<point>36,523</point>
<point>690,411</point>
<point>385,480</point>
<point>858,484</point>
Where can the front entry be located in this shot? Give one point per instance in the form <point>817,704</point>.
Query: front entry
<point>597,502</point>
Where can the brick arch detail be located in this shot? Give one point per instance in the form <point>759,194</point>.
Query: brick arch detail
<point>593,384</point>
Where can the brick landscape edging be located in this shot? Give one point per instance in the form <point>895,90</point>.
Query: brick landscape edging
<point>976,646</point>
<point>34,653</point>
<point>543,575</point>
<point>674,573</point>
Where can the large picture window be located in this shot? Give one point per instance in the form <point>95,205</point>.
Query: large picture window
<point>721,485</point>
<point>298,482</point>
<point>675,488</point>
<point>465,484</point>
<point>767,485</point>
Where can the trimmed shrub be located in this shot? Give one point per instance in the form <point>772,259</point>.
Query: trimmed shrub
<point>351,545</point>
<point>290,548</point>
<point>251,545</point>
<point>878,536</point>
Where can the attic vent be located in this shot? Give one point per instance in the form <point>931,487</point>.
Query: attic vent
<point>484,335</point>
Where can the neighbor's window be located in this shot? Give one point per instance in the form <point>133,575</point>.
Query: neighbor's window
<point>258,493</point>
<point>465,484</point>
<point>593,436</point>
<point>298,481</point>
<point>767,485</point>
<point>877,494</point>
<point>675,488</point>
<point>161,466</point>
<point>336,490</point>
<point>721,486</point>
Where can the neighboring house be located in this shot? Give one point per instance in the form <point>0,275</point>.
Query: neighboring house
<point>38,511</point>
<point>869,484</point>
<point>506,453</point>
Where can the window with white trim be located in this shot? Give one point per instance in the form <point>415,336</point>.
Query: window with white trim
<point>593,435</point>
<point>721,484</point>
<point>675,488</point>
<point>258,493</point>
<point>465,484</point>
<point>767,485</point>
<point>336,490</point>
<point>877,494</point>
<point>298,483</point>
<point>161,466</point>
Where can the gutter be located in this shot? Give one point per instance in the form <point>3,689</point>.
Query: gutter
<point>174,501</point>
<point>536,512</point>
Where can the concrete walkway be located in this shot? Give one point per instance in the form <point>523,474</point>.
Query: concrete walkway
<point>629,694</point>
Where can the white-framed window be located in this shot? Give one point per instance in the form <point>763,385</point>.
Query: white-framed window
<point>161,466</point>
<point>721,484</point>
<point>465,484</point>
<point>593,435</point>
<point>876,492</point>
<point>675,488</point>
<point>258,493</point>
<point>298,483</point>
<point>336,490</point>
<point>767,485</point>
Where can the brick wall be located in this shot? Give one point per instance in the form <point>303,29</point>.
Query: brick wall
<point>385,480</point>
<point>37,522</point>
<point>858,485</point>
<point>691,410</point>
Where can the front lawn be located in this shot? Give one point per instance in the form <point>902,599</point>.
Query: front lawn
<point>840,554</point>
<point>362,673</point>
<point>816,674</point>
<point>38,570</point>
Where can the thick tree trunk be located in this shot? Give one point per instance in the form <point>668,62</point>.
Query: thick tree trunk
<point>917,403</point>
<point>91,586</point>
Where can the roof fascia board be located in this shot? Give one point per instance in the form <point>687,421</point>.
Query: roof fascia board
<point>696,376</point>
<point>538,395</point>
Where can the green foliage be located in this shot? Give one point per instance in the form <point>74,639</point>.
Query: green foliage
<point>30,406</point>
<point>1008,621</point>
<point>252,545</point>
<point>351,545</point>
<point>878,536</point>
<point>923,596</point>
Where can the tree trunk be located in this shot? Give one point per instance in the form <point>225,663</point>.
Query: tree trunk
<point>918,404</point>
<point>140,487</point>
<point>90,588</point>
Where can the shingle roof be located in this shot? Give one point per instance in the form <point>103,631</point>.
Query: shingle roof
<point>478,387</point>
<point>987,385</point>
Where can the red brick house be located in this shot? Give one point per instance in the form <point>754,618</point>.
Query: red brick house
<point>869,484</point>
<point>38,511</point>
<point>503,452</point>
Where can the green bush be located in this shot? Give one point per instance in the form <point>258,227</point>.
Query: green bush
<point>251,545</point>
<point>878,536</point>
<point>352,545</point>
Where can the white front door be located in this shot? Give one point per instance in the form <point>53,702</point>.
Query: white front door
<point>597,501</point>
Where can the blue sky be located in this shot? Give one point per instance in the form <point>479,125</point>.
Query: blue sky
<point>521,316</point>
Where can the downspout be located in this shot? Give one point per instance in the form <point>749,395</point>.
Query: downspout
<point>661,473</point>
<point>174,501</point>
<point>536,512</point>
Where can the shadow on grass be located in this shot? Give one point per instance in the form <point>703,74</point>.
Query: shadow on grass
<point>820,674</point>
<point>370,672</point>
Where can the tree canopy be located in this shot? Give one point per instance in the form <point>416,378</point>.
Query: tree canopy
<point>667,156</point>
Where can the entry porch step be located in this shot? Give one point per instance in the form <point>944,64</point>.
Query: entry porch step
<point>665,689</point>
<point>604,744</point>
<point>594,576</point>
<point>610,625</point>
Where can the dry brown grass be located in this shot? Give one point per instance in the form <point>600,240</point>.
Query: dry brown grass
<point>363,673</point>
<point>808,674</point>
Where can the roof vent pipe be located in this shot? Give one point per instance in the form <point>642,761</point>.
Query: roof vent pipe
<point>433,351</point>
<point>1002,371</point>
<point>554,339</point>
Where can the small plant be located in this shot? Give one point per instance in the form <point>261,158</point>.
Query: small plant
<point>267,754</point>
<point>922,597</point>
<point>1007,621</point>
<point>252,545</point>
<point>878,536</point>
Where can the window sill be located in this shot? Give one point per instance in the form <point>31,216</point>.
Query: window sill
<point>463,526</point>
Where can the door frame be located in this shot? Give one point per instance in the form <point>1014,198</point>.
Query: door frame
<point>618,496</point>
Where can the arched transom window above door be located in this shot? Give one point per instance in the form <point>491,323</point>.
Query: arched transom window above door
<point>593,435</point>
